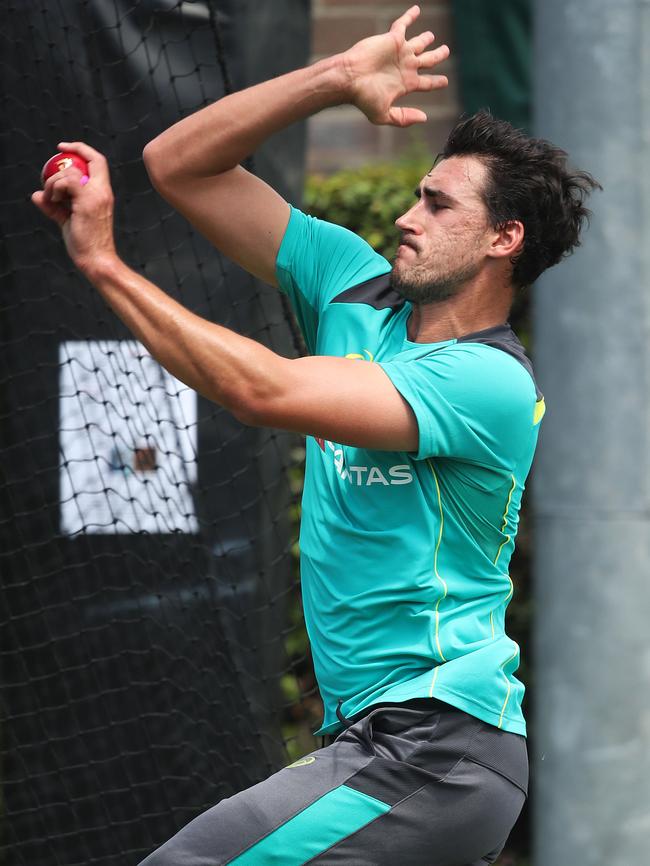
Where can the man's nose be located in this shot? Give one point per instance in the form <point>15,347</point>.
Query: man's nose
<point>407,222</point>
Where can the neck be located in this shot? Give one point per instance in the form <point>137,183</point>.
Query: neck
<point>472,309</point>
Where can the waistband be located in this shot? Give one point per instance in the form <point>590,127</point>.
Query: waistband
<point>459,733</point>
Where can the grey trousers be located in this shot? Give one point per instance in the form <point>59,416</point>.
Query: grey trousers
<point>416,784</point>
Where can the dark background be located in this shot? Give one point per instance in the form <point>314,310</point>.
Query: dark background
<point>140,672</point>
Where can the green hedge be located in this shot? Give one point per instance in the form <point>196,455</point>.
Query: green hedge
<point>368,200</point>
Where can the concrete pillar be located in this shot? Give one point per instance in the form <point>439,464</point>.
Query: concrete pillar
<point>591,766</point>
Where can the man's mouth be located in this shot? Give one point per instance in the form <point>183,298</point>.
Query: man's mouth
<point>407,242</point>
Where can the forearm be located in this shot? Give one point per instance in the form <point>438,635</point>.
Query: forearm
<point>330,397</point>
<point>238,373</point>
<point>219,137</point>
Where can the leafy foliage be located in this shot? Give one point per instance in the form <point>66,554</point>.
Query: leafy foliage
<point>367,200</point>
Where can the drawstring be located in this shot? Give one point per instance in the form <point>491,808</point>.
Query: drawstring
<point>339,715</point>
<point>347,723</point>
<point>364,732</point>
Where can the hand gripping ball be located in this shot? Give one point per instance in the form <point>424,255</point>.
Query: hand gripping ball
<point>60,161</point>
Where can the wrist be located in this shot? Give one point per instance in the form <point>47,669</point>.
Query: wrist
<point>347,75</point>
<point>102,267</point>
<point>333,76</point>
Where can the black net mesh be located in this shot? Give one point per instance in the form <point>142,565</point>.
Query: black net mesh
<point>152,661</point>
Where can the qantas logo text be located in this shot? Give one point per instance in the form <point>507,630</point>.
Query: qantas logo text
<point>365,476</point>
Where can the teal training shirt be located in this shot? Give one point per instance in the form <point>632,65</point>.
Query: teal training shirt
<point>404,556</point>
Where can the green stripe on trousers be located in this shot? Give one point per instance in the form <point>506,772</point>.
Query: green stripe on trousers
<point>331,818</point>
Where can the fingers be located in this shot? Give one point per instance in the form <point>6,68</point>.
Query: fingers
<point>59,192</point>
<point>432,82</point>
<point>433,58</point>
<point>97,164</point>
<point>401,24</point>
<point>64,185</point>
<point>419,43</point>
<point>404,116</point>
<point>58,213</point>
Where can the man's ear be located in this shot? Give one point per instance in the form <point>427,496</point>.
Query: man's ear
<point>508,240</point>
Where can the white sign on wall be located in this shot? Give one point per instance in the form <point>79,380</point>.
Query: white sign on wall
<point>127,440</point>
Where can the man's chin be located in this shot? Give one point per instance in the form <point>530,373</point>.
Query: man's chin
<point>408,289</point>
<point>417,293</point>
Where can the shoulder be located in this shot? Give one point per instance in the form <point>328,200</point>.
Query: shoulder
<point>492,391</point>
<point>323,252</point>
<point>485,366</point>
<point>304,230</point>
<point>485,381</point>
<point>475,380</point>
<point>472,401</point>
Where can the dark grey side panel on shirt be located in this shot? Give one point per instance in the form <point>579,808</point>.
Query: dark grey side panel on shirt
<point>376,292</point>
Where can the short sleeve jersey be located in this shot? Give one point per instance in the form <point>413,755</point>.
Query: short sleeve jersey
<point>404,556</point>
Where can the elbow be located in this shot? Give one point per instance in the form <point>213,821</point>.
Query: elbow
<point>262,397</point>
<point>250,409</point>
<point>154,160</point>
<point>161,161</point>
<point>263,408</point>
<point>168,172</point>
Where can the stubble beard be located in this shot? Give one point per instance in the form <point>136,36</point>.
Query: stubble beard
<point>425,288</point>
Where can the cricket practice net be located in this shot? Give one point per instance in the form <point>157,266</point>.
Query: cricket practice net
<point>151,664</point>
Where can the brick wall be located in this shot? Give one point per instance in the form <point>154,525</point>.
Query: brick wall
<point>342,137</point>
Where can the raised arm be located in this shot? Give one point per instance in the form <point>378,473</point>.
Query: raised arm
<point>195,163</point>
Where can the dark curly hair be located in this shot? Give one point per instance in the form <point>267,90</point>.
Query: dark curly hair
<point>528,180</point>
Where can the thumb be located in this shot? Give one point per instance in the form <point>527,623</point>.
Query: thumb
<point>57,212</point>
<point>406,116</point>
